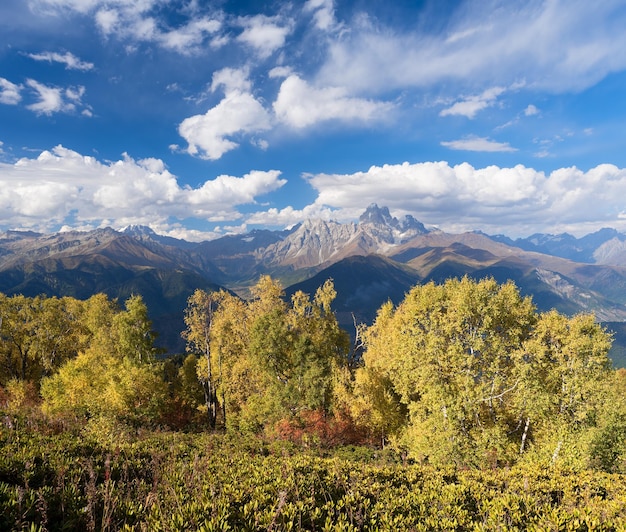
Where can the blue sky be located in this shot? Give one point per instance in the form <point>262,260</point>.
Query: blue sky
<point>204,118</point>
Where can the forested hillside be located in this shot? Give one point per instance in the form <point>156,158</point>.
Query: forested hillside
<point>460,376</point>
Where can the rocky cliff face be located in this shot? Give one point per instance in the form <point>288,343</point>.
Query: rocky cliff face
<point>378,221</point>
<point>317,242</point>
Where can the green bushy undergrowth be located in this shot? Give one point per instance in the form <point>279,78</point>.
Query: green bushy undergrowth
<point>176,481</point>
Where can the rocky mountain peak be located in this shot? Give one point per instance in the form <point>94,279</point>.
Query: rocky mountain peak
<point>138,230</point>
<point>378,216</point>
<point>390,228</point>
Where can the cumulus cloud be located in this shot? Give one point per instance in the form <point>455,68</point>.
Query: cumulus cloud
<point>471,105</point>
<point>531,110</point>
<point>68,59</point>
<point>288,216</point>
<point>10,93</point>
<point>517,200</point>
<point>231,80</point>
<point>52,100</point>
<point>62,187</point>
<point>211,135</point>
<point>300,105</point>
<point>264,34</point>
<point>44,192</point>
<point>478,144</point>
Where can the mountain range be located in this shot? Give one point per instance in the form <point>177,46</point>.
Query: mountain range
<point>370,261</point>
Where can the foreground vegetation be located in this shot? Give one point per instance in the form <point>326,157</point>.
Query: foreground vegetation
<point>464,409</point>
<point>175,481</point>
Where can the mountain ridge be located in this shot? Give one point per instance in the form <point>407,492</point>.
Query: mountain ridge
<point>377,258</point>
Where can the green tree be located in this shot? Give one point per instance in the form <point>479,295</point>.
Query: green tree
<point>191,391</point>
<point>608,444</point>
<point>199,317</point>
<point>132,332</point>
<point>267,359</point>
<point>473,365</point>
<point>37,335</point>
<point>118,383</point>
<point>296,348</point>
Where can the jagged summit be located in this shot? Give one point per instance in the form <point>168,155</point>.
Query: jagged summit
<point>377,215</point>
<point>138,230</point>
<point>381,216</point>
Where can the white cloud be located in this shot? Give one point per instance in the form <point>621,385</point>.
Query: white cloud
<point>323,13</point>
<point>264,34</point>
<point>260,143</point>
<point>531,110</point>
<point>288,216</point>
<point>9,92</point>
<point>82,6</point>
<point>136,20</point>
<point>231,79</point>
<point>211,135</point>
<point>300,105</point>
<point>280,72</point>
<point>43,192</point>
<point>75,94</point>
<point>108,20</point>
<point>471,105</point>
<point>61,186</point>
<point>230,191</point>
<point>509,200</point>
<point>557,45</point>
<point>219,41</point>
<point>55,99</point>
<point>68,59</point>
<point>188,37</point>
<point>478,144</point>
<point>50,99</point>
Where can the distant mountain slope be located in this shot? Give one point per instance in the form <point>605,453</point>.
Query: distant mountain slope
<point>595,248</point>
<point>376,259</point>
<point>363,284</point>
<point>82,264</point>
<point>554,282</point>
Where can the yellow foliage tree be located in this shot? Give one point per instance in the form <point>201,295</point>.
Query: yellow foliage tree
<point>472,362</point>
<point>106,380</point>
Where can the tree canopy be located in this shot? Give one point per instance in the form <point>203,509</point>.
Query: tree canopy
<point>467,372</point>
<point>265,359</point>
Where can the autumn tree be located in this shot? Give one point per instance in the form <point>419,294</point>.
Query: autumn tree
<point>267,359</point>
<point>199,316</point>
<point>471,363</point>
<point>114,378</point>
<point>562,370</point>
<point>37,335</point>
